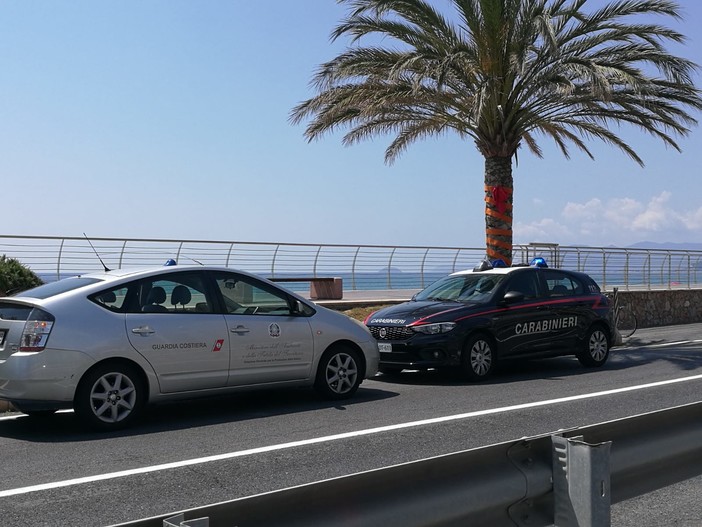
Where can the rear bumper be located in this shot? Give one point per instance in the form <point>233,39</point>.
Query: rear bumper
<point>44,380</point>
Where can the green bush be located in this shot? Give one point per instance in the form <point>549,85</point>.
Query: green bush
<point>15,277</point>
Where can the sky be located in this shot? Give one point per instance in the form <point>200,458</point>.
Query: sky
<point>169,119</point>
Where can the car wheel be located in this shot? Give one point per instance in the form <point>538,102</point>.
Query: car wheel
<point>595,348</point>
<point>479,357</point>
<point>339,373</point>
<point>110,397</point>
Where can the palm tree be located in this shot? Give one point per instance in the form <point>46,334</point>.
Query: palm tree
<point>503,73</point>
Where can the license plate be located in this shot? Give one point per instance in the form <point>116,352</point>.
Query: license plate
<point>2,337</point>
<point>384,346</point>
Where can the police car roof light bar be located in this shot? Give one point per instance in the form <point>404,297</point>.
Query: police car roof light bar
<point>538,262</point>
<point>483,266</point>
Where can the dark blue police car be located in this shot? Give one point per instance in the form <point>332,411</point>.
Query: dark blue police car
<point>473,319</point>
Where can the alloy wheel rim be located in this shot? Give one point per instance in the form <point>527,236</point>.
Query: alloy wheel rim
<point>342,373</point>
<point>598,345</point>
<point>481,357</point>
<point>113,397</point>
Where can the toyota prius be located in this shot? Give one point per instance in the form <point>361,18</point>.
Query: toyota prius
<point>107,344</point>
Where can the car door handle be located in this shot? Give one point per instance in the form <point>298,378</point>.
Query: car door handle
<point>144,331</point>
<point>240,330</point>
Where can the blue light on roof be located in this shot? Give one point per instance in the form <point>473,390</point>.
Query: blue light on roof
<point>169,262</point>
<point>539,262</point>
<point>498,263</point>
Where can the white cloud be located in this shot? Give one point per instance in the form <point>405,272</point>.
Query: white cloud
<point>657,216</point>
<point>583,211</point>
<point>544,230</point>
<point>617,221</point>
<point>693,220</point>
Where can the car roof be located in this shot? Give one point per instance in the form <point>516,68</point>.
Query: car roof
<point>514,268</point>
<point>105,278</point>
<point>117,274</point>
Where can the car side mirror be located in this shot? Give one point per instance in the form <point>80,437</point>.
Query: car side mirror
<point>512,297</point>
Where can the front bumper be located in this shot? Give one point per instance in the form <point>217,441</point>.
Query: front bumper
<point>420,352</point>
<point>372,357</point>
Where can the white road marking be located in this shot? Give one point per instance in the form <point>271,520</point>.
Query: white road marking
<point>336,437</point>
<point>668,344</point>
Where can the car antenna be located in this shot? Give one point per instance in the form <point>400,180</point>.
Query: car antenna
<point>107,269</point>
<point>198,262</point>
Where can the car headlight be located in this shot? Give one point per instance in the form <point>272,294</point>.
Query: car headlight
<point>434,329</point>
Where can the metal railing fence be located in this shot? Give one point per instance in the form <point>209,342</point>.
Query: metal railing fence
<point>362,267</point>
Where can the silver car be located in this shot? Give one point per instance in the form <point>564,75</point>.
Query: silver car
<point>107,344</point>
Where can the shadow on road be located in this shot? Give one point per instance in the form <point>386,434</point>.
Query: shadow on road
<point>685,357</point>
<point>65,426</point>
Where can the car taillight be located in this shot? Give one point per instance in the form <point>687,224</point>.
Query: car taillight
<point>36,331</point>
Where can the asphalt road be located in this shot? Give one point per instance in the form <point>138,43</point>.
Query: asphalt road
<point>189,455</point>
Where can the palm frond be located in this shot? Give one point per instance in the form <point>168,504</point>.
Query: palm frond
<point>503,72</point>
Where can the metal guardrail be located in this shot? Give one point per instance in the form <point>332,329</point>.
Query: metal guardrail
<point>569,478</point>
<point>362,267</point>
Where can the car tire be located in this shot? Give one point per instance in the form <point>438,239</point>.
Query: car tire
<point>479,357</point>
<point>595,348</point>
<point>110,397</point>
<point>339,373</point>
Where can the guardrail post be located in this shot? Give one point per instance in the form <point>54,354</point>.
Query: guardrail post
<point>179,521</point>
<point>316,259</point>
<point>353,268</point>
<point>392,254</point>
<point>121,254</point>
<point>180,248</point>
<point>581,483</point>
<point>58,260</point>
<point>275,255</point>
<point>421,277</point>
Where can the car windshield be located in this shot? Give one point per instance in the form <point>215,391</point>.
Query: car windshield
<point>56,288</point>
<point>473,287</point>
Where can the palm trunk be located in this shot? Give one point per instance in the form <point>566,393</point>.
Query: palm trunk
<point>498,208</point>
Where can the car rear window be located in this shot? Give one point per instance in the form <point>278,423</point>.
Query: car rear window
<point>10,311</point>
<point>56,288</point>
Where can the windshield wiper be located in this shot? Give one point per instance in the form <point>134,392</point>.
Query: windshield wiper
<point>440,299</point>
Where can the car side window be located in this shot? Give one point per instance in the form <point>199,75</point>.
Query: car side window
<point>245,296</point>
<point>174,293</point>
<point>171,293</point>
<point>561,284</point>
<point>114,299</point>
<point>525,283</point>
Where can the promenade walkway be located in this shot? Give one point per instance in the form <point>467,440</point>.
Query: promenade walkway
<point>368,298</point>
